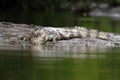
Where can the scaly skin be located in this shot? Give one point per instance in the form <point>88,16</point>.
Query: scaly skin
<point>45,34</point>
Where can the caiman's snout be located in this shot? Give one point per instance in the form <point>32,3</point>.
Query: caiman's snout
<point>34,43</point>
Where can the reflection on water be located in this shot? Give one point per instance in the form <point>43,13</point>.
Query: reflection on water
<point>59,62</point>
<point>14,65</point>
<point>63,64</point>
<point>68,51</point>
<point>39,18</point>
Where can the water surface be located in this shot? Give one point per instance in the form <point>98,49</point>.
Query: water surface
<point>52,63</point>
<point>60,63</point>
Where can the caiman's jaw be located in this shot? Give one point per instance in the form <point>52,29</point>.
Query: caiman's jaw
<point>34,43</point>
<point>39,39</point>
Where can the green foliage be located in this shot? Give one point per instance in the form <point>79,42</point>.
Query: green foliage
<point>45,4</point>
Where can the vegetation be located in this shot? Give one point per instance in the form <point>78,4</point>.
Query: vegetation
<point>44,5</point>
<point>56,13</point>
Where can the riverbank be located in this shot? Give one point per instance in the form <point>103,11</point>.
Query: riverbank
<point>12,35</point>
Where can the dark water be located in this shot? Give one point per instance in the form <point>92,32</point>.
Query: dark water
<point>60,63</point>
<point>61,19</point>
<point>51,63</point>
<point>40,18</point>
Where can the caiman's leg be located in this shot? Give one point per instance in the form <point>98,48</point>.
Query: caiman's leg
<point>56,36</point>
<point>54,39</point>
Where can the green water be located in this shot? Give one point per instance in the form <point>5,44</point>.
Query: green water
<point>61,19</point>
<point>36,65</point>
<point>60,63</point>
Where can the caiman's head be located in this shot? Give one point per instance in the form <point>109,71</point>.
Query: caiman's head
<point>37,37</point>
